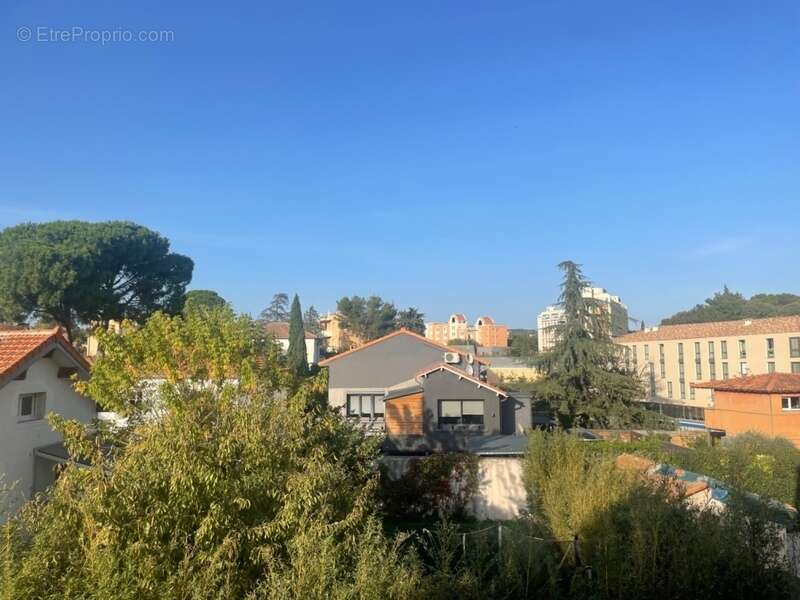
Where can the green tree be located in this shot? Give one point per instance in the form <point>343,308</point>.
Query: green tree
<point>411,319</point>
<point>296,354</point>
<point>311,320</point>
<point>278,309</point>
<point>76,272</point>
<point>244,486</point>
<point>585,378</point>
<point>731,306</point>
<point>207,299</point>
<point>367,318</point>
<point>523,343</point>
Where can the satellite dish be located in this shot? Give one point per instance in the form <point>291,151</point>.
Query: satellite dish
<point>470,358</point>
<point>469,370</point>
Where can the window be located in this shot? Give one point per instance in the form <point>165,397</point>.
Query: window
<point>680,352</point>
<point>366,406</point>
<point>770,367</point>
<point>691,393</point>
<point>770,348</point>
<point>710,352</point>
<point>794,347</point>
<point>790,403</point>
<point>723,348</point>
<point>682,385</point>
<point>647,352</point>
<point>796,367</point>
<point>661,361</point>
<point>743,370</point>
<point>742,349</point>
<point>725,373</point>
<point>698,367</point>
<point>31,407</point>
<point>712,371</point>
<point>460,412</point>
<point>669,389</point>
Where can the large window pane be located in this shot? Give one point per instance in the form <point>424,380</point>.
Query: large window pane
<point>450,408</point>
<point>378,406</point>
<point>472,407</point>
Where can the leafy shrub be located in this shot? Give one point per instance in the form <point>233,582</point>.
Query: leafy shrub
<point>640,538</point>
<point>440,484</point>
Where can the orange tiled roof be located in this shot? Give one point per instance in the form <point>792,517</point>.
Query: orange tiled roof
<point>280,329</point>
<point>18,346</point>
<point>715,329</point>
<point>769,383</point>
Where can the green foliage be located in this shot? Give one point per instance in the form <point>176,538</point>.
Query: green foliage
<point>207,299</point>
<point>296,354</point>
<point>523,343</point>
<point>411,319</point>
<point>749,461</point>
<point>73,272</point>
<point>236,482</point>
<point>585,379</point>
<point>731,306</point>
<point>311,321</point>
<point>278,309</point>
<point>367,318</point>
<point>641,539</point>
<point>440,484</point>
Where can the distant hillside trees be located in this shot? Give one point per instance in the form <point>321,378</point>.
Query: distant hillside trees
<point>731,306</point>
<point>523,343</point>
<point>75,272</point>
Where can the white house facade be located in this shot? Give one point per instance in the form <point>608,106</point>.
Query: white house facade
<point>36,367</point>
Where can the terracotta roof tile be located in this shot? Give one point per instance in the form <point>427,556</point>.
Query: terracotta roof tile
<point>280,329</point>
<point>17,346</point>
<point>715,329</point>
<point>768,383</point>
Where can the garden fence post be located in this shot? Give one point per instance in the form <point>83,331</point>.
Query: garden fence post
<point>499,537</point>
<point>464,543</point>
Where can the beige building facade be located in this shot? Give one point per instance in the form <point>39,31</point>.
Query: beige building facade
<point>334,336</point>
<point>672,357</point>
<point>485,332</point>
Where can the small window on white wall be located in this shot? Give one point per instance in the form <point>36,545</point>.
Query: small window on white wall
<point>31,406</point>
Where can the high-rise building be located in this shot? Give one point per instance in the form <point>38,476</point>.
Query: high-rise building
<point>615,314</point>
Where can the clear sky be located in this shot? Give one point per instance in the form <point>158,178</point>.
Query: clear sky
<point>445,155</point>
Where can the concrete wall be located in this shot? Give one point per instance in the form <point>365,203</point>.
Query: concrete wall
<point>19,439</point>
<point>501,494</point>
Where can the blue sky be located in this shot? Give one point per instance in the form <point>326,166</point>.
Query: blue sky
<point>443,155</point>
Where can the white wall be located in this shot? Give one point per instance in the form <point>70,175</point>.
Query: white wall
<point>19,439</point>
<point>313,346</point>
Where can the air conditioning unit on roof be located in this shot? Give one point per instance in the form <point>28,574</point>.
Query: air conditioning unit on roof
<point>452,358</point>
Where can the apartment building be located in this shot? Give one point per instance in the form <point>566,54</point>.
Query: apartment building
<point>672,357</point>
<point>608,305</point>
<point>485,332</point>
<point>334,336</point>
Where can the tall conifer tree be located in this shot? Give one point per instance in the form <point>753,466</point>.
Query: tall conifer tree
<point>296,355</point>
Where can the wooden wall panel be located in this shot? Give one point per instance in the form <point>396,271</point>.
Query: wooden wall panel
<point>404,415</point>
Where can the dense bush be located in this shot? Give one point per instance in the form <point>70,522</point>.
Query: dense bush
<point>641,539</point>
<point>234,489</point>
<point>439,485</point>
<point>767,466</point>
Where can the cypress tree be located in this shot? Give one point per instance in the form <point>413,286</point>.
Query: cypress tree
<point>296,355</point>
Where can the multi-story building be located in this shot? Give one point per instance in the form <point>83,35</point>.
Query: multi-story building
<point>335,337</point>
<point>672,357</point>
<point>485,332</point>
<point>615,314</point>
<point>546,323</point>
